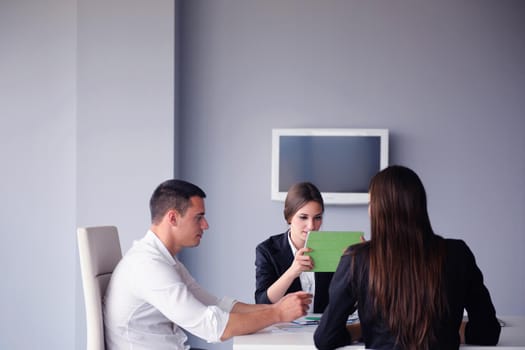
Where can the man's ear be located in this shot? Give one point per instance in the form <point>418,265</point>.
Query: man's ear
<point>173,217</point>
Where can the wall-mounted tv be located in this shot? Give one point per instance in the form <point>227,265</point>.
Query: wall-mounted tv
<point>340,162</point>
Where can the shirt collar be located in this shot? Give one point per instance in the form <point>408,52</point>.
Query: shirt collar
<point>152,239</point>
<point>289,235</point>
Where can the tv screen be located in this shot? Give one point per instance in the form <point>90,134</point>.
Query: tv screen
<point>340,162</point>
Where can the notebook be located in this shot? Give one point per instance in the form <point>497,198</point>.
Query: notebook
<point>328,246</point>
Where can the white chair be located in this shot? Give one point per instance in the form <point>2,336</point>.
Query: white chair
<point>99,251</point>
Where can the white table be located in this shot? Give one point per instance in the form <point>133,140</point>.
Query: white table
<point>289,336</point>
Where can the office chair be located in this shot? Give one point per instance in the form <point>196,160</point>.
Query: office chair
<point>99,251</point>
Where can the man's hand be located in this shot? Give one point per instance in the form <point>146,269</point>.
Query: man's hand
<point>293,306</point>
<point>249,318</point>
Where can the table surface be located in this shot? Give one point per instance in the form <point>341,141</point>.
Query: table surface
<point>291,336</point>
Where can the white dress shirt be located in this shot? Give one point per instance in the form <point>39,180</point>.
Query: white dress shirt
<point>307,278</point>
<point>151,296</point>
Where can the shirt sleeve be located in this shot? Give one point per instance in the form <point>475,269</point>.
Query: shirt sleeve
<point>332,332</point>
<point>172,291</point>
<point>265,275</point>
<point>482,327</point>
<point>224,303</point>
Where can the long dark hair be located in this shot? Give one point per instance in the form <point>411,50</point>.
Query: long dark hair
<point>406,258</point>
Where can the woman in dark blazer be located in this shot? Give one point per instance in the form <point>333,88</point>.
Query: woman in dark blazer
<point>410,286</point>
<point>281,266</point>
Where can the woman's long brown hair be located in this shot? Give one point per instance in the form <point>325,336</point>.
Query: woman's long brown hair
<point>406,258</point>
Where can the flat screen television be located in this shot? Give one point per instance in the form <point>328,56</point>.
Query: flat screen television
<point>340,162</point>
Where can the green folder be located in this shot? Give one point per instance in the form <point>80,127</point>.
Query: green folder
<point>328,246</point>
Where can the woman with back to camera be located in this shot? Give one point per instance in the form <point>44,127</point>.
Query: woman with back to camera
<point>281,266</point>
<point>409,284</point>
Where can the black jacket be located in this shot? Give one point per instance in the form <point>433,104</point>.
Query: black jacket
<point>464,287</point>
<point>272,258</point>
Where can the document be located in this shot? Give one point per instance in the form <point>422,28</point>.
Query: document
<point>313,319</point>
<point>310,319</point>
<point>328,246</point>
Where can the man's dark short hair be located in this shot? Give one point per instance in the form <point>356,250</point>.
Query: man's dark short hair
<point>172,194</point>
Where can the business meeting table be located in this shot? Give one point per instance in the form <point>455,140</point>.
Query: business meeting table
<point>293,336</point>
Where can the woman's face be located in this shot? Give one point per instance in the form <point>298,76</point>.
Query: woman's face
<point>308,218</point>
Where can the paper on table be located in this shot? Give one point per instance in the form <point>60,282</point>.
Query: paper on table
<point>310,319</point>
<point>313,319</point>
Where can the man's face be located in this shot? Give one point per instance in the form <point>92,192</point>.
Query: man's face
<point>193,223</point>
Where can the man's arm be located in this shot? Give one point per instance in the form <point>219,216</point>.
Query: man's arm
<point>240,307</point>
<point>249,318</point>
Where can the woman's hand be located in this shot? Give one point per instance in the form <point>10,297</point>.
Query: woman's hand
<point>301,262</point>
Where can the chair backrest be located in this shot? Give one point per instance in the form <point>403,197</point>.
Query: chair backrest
<point>99,251</point>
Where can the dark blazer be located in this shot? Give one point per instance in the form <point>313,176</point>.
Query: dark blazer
<point>272,258</point>
<point>464,289</point>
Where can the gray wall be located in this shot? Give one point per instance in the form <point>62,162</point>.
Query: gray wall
<point>87,130</point>
<point>125,115</point>
<point>446,77</point>
<point>37,209</point>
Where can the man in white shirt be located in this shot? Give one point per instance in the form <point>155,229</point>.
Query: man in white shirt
<point>151,296</point>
